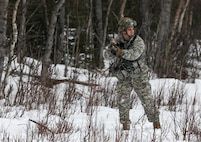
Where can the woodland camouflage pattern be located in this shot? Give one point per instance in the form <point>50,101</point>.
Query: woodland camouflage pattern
<point>132,72</point>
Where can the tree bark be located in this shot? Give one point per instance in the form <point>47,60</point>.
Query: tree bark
<point>123,5</point>
<point>3,25</point>
<point>50,37</point>
<point>59,37</point>
<point>174,26</point>
<point>22,49</point>
<point>98,28</point>
<point>161,61</point>
<point>182,15</point>
<point>14,26</point>
<point>174,59</point>
<point>12,46</point>
<point>105,33</point>
<point>145,31</point>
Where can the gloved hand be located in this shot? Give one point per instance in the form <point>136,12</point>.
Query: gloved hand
<point>115,50</point>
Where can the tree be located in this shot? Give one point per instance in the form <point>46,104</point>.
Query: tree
<point>50,38</point>
<point>98,29</point>
<point>175,53</point>
<point>172,39</point>
<point>122,9</point>
<point>22,49</point>
<point>87,25</point>
<point>3,29</point>
<point>14,28</point>
<point>161,60</point>
<point>145,29</point>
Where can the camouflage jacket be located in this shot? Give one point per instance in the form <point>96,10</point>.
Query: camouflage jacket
<point>133,55</point>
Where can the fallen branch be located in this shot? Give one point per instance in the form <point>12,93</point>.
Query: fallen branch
<point>41,126</point>
<point>50,82</point>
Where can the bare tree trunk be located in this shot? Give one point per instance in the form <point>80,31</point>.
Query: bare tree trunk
<point>66,56</point>
<point>3,25</point>
<point>176,60</point>
<point>161,61</point>
<point>105,33</point>
<point>188,25</point>
<point>15,30</point>
<point>78,31</point>
<point>59,37</point>
<point>175,24</point>
<point>50,37</point>
<point>98,27</point>
<point>13,43</point>
<point>172,35</point>
<point>182,15</point>
<point>22,49</point>
<point>123,5</point>
<point>46,13</point>
<point>145,18</point>
<point>89,34</point>
<point>145,31</point>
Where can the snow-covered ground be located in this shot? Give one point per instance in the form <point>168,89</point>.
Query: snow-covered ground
<point>91,114</point>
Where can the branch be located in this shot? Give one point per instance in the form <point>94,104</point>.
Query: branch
<point>51,82</point>
<point>41,125</point>
<point>123,5</point>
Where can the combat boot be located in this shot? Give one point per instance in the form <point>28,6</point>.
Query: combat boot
<point>156,125</point>
<point>126,126</point>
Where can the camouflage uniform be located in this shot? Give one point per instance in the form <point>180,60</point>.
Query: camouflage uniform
<point>132,72</point>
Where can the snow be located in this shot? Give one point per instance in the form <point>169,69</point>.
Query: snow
<point>87,121</point>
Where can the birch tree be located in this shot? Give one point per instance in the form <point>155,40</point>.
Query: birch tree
<point>15,29</point>
<point>3,24</point>
<point>12,46</point>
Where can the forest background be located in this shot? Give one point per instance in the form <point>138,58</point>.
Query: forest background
<point>75,32</point>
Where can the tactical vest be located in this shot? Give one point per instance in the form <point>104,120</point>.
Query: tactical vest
<point>123,64</point>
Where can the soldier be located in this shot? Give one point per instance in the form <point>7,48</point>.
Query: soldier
<point>127,51</point>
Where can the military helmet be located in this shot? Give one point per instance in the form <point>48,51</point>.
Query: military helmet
<point>125,23</point>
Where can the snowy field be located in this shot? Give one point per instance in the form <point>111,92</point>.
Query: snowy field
<point>77,113</point>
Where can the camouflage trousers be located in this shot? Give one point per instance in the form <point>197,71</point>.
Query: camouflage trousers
<point>127,81</point>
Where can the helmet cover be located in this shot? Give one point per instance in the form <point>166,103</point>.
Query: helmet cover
<point>125,23</point>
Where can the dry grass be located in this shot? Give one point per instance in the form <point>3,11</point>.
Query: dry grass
<point>60,104</point>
